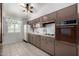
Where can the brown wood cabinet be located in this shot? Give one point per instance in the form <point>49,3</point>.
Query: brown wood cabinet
<point>43,42</point>
<point>66,33</point>
<point>49,18</point>
<point>34,39</point>
<point>50,45</point>
<point>37,40</point>
<point>29,38</point>
<point>64,49</point>
<point>67,13</point>
<point>65,43</point>
<point>47,44</point>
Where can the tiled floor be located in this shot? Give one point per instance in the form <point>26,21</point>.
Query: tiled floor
<point>21,49</point>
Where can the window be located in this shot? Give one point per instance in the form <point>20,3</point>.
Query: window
<point>14,25</point>
<point>11,28</point>
<point>18,26</point>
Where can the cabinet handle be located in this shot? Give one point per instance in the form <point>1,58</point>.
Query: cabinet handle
<point>70,26</point>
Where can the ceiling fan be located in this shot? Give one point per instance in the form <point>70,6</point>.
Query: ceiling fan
<point>28,7</point>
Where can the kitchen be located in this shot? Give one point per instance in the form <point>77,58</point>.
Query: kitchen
<point>43,31</point>
<point>53,30</point>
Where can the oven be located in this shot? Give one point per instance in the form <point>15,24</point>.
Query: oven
<point>66,31</point>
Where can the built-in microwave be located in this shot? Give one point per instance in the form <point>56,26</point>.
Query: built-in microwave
<point>70,21</point>
<point>67,22</point>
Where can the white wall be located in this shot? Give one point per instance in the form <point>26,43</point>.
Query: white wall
<point>49,8</point>
<point>12,37</point>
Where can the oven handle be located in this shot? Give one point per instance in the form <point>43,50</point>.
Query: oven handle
<point>66,26</point>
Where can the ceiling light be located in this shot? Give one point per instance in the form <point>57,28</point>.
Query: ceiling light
<point>28,7</point>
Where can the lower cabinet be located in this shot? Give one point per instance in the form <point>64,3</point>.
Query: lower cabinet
<point>47,44</point>
<point>52,46</point>
<point>37,40</point>
<point>43,42</point>
<point>34,39</point>
<point>29,38</point>
<point>62,49</point>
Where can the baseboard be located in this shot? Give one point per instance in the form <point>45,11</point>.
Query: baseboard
<point>0,41</point>
<point>25,41</point>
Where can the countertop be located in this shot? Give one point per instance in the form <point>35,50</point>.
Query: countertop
<point>43,35</point>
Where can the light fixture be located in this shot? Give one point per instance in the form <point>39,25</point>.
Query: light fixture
<point>28,7</point>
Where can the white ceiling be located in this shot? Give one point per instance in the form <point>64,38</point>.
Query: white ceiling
<point>15,10</point>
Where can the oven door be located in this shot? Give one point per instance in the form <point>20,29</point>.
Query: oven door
<point>66,33</point>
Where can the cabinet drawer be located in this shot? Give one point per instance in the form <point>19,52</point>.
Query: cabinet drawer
<point>62,49</point>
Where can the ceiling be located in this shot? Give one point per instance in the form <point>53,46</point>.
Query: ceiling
<point>15,10</point>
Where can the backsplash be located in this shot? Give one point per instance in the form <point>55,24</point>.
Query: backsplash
<point>48,29</point>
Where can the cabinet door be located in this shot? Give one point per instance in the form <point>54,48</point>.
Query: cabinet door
<point>38,39</point>
<point>68,12</point>
<point>28,37</point>
<point>62,49</point>
<point>34,39</point>
<point>44,19</point>
<point>31,39</point>
<point>47,44</point>
<point>43,43</point>
<point>50,45</point>
<point>51,17</point>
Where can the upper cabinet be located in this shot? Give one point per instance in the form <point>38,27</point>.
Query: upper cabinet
<point>67,13</point>
<point>34,22</point>
<point>62,14</point>
<point>49,18</point>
